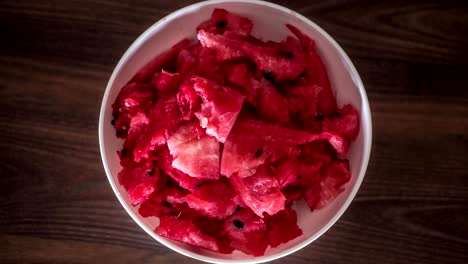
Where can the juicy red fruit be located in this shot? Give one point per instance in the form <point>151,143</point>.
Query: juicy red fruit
<point>223,135</point>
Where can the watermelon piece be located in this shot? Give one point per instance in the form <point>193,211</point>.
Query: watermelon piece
<point>242,76</point>
<point>335,175</point>
<point>270,104</point>
<point>188,101</point>
<point>226,48</point>
<point>194,152</point>
<point>186,62</point>
<point>316,72</point>
<point>185,231</point>
<point>139,181</point>
<point>221,21</point>
<point>162,158</point>
<point>282,227</point>
<point>161,62</point>
<point>214,228</point>
<point>251,142</point>
<point>138,124</point>
<point>132,99</point>
<point>318,150</point>
<point>247,232</point>
<point>312,195</point>
<point>163,121</point>
<point>344,122</point>
<point>260,192</point>
<point>286,171</point>
<point>166,82</point>
<point>219,109</point>
<point>216,200</point>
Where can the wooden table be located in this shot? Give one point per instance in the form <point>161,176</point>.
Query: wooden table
<point>57,206</point>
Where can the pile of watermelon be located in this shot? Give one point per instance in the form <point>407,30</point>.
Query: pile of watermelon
<point>223,134</point>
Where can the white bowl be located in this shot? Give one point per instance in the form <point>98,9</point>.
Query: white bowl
<point>269,24</point>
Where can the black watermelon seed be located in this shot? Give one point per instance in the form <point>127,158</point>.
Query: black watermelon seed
<point>151,172</point>
<point>113,122</point>
<point>299,176</point>
<point>238,224</point>
<point>120,132</point>
<point>269,76</point>
<point>221,24</point>
<point>198,185</point>
<point>258,153</point>
<point>298,113</point>
<point>115,115</point>
<point>287,54</point>
<point>320,117</point>
<point>124,152</point>
<point>338,114</point>
<point>167,204</point>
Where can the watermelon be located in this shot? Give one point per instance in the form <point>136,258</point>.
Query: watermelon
<point>217,199</point>
<point>344,122</point>
<point>163,120</point>
<point>219,109</point>
<point>282,227</point>
<point>166,82</point>
<point>241,76</point>
<point>260,192</point>
<point>221,21</point>
<point>270,104</point>
<point>139,180</point>
<point>188,101</point>
<point>137,125</point>
<point>194,152</point>
<point>247,232</point>
<point>226,48</point>
<point>185,231</point>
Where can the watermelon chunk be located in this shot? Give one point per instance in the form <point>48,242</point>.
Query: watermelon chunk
<point>194,152</point>
<point>132,99</point>
<point>138,124</point>
<point>260,192</point>
<point>161,62</point>
<point>242,76</point>
<point>251,142</point>
<point>315,70</point>
<point>163,159</point>
<point>282,227</point>
<point>188,101</point>
<point>221,21</point>
<point>164,119</point>
<point>219,109</point>
<point>335,175</point>
<point>344,122</point>
<point>185,231</point>
<point>226,48</point>
<point>166,82</point>
<point>286,171</point>
<point>216,200</point>
<point>139,181</point>
<point>247,232</point>
<point>186,62</point>
<point>270,104</point>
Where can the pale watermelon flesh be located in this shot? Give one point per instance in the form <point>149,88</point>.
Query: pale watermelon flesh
<point>222,135</point>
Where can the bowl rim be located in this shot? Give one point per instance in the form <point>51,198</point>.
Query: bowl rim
<point>365,111</point>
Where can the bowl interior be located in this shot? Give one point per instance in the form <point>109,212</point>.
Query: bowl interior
<point>269,24</point>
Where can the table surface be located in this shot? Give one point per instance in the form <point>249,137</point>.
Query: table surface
<point>57,206</point>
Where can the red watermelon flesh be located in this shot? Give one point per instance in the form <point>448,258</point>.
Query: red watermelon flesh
<point>219,109</point>
<point>186,62</point>
<point>226,48</point>
<point>221,21</point>
<point>139,181</point>
<point>282,227</point>
<point>335,175</point>
<point>194,152</point>
<point>185,231</point>
<point>344,122</point>
<point>270,104</point>
<point>164,119</point>
<point>163,159</point>
<point>251,142</point>
<point>138,124</point>
<point>318,150</point>
<point>242,76</point>
<point>166,82</point>
<point>216,200</point>
<point>188,101</point>
<point>260,192</point>
<point>161,62</point>
<point>247,232</point>
<point>286,171</point>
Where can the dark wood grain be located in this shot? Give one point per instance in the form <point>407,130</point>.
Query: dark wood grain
<point>56,205</point>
